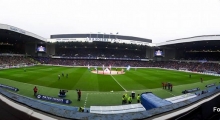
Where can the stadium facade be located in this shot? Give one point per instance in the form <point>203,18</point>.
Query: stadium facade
<point>184,48</point>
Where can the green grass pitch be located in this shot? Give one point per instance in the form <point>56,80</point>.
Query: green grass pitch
<point>95,87</point>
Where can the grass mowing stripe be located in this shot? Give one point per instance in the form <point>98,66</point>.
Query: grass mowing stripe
<point>146,80</point>
<point>88,79</point>
<point>119,83</point>
<point>129,83</point>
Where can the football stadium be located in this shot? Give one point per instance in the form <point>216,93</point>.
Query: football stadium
<point>108,75</point>
<point>108,71</point>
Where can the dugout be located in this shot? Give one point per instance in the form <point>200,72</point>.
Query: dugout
<point>150,101</point>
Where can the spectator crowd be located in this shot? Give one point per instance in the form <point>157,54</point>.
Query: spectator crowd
<point>191,66</point>
<point>113,53</point>
<point>15,60</point>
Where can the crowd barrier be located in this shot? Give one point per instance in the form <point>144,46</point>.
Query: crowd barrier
<point>9,87</point>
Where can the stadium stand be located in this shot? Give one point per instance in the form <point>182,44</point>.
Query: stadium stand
<point>190,66</point>
<point>15,60</point>
<point>99,49</point>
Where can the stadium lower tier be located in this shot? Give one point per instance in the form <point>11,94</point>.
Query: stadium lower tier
<point>191,66</point>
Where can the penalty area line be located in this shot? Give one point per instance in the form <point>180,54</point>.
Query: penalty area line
<point>170,93</point>
<point>86,100</point>
<point>119,83</point>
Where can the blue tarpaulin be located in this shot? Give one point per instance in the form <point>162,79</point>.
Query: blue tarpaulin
<point>149,101</point>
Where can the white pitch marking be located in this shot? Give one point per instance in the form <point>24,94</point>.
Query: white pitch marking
<point>170,93</point>
<point>119,84</point>
<point>86,100</point>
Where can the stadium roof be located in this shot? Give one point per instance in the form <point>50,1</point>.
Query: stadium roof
<point>20,31</point>
<point>113,38</point>
<point>101,36</point>
<point>191,39</point>
<point>26,36</point>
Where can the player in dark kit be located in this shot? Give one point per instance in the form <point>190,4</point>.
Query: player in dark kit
<point>123,100</point>
<point>79,94</point>
<point>163,85</point>
<point>201,80</point>
<point>171,87</point>
<point>168,85</point>
<point>190,76</point>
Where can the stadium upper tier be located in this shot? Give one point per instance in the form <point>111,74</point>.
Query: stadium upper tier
<point>100,53</point>
<point>100,37</point>
<point>100,49</point>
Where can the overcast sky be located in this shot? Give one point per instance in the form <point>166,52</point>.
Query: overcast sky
<point>159,20</point>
